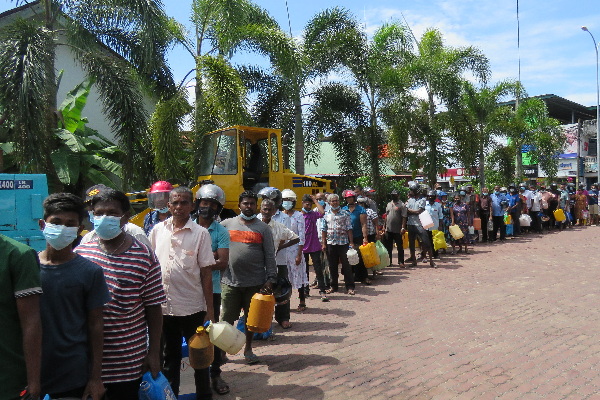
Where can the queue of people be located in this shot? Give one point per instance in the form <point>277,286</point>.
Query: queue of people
<point>88,316</point>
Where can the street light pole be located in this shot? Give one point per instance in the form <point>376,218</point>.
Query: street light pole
<point>584,28</point>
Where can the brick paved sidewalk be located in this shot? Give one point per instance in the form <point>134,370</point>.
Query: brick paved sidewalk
<point>517,320</point>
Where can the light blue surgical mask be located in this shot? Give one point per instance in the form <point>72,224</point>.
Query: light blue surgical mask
<point>248,218</point>
<point>322,203</point>
<point>59,236</point>
<point>163,210</point>
<point>462,193</point>
<point>91,214</point>
<point>335,208</point>
<point>107,227</point>
<point>287,205</point>
<point>305,210</point>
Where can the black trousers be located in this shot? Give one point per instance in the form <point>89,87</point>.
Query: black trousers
<point>360,271</point>
<point>424,250</point>
<point>174,328</point>
<point>485,217</point>
<point>514,215</point>
<point>215,367</point>
<point>535,221</point>
<point>336,253</point>
<point>498,224</point>
<point>282,311</point>
<point>318,266</point>
<point>125,390</point>
<point>389,239</point>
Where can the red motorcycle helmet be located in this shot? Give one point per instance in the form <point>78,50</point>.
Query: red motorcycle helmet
<point>158,197</point>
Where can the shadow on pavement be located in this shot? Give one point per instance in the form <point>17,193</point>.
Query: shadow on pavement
<point>305,339</point>
<point>255,385</point>
<point>296,362</point>
<point>340,312</point>
<point>321,326</point>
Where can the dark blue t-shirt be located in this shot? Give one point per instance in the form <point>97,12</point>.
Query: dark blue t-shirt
<point>355,219</point>
<point>70,291</point>
<point>592,197</point>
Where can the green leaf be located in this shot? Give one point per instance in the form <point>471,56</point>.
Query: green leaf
<point>98,177</point>
<point>67,165</point>
<point>7,147</point>
<point>102,163</point>
<point>73,141</point>
<point>74,103</point>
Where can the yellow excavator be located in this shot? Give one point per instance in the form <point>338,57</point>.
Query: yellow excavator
<point>242,158</point>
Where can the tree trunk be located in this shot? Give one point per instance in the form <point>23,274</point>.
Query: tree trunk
<point>481,163</point>
<point>374,144</point>
<point>55,185</point>
<point>298,136</point>
<point>519,164</point>
<point>433,152</point>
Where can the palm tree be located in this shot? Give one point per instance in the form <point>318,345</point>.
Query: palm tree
<point>439,70</point>
<point>327,39</point>
<point>137,31</point>
<point>474,122</point>
<point>218,32</point>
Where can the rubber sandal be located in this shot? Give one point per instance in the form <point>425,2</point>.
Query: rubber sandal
<point>351,292</point>
<point>329,291</point>
<point>219,385</point>
<point>367,281</point>
<point>301,307</point>
<point>285,324</point>
<point>324,298</point>
<point>251,359</point>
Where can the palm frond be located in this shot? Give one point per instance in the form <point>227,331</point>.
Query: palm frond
<point>166,126</point>
<point>26,75</point>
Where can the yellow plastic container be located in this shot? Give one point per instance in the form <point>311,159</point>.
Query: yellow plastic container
<point>201,349</point>
<point>369,254</point>
<point>456,232</point>
<point>260,315</point>
<point>559,215</point>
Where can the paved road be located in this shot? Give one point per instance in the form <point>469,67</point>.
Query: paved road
<point>518,320</point>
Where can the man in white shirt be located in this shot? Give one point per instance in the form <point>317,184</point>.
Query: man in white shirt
<point>534,207</point>
<point>282,238</point>
<point>184,251</point>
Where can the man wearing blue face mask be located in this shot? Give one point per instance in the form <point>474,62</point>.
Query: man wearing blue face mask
<point>133,275</point>
<point>129,228</point>
<point>72,341</point>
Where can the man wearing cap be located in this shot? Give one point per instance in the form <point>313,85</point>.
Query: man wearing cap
<point>395,226</point>
<point>497,216</point>
<point>131,229</point>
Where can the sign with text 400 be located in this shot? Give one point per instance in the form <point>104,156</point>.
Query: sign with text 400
<point>15,184</point>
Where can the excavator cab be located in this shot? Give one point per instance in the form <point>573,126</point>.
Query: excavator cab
<point>242,158</point>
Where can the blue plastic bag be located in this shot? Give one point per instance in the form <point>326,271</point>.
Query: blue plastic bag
<point>241,326</point>
<point>158,389</point>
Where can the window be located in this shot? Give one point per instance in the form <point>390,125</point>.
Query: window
<point>274,153</point>
<point>220,154</point>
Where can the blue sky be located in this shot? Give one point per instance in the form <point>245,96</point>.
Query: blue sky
<point>556,55</point>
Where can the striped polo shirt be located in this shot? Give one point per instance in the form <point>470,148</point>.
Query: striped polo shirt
<point>134,281</point>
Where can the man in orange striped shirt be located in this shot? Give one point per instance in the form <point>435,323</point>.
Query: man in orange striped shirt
<point>252,266</point>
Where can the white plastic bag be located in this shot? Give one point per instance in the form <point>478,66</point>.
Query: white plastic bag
<point>525,220</point>
<point>352,257</point>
